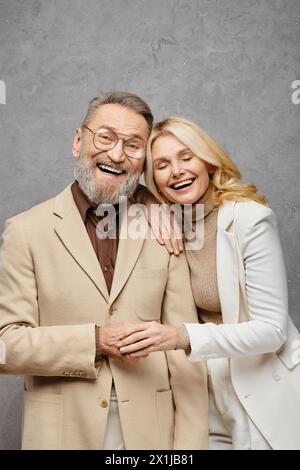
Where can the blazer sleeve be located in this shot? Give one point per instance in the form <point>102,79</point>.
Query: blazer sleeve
<point>188,381</point>
<point>32,349</point>
<point>266,294</point>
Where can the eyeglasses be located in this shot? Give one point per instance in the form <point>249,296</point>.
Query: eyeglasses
<point>133,147</point>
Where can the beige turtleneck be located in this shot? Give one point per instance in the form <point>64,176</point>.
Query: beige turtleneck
<point>203,271</point>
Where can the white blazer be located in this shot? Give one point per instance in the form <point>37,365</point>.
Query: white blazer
<point>257,334</point>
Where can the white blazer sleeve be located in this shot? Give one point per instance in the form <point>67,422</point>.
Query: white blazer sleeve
<point>266,294</point>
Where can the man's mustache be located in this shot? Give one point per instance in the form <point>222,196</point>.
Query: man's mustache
<point>103,160</point>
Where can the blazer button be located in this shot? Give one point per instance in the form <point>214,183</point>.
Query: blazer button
<point>104,403</point>
<point>276,376</point>
<point>111,310</point>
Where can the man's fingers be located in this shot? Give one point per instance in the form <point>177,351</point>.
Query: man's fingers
<point>137,346</point>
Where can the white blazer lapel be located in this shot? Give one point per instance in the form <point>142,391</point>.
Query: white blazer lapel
<point>227,265</point>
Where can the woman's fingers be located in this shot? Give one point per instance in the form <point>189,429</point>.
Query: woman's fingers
<point>166,229</point>
<point>176,234</point>
<point>131,328</point>
<point>132,338</point>
<point>143,353</point>
<point>171,232</point>
<point>145,343</point>
<point>168,245</point>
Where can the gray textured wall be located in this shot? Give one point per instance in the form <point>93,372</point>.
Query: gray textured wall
<point>229,65</point>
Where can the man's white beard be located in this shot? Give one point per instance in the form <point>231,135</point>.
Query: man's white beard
<point>105,193</point>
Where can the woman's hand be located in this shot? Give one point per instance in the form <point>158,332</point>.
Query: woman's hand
<point>164,225</point>
<point>109,335</point>
<point>149,337</point>
<point>165,228</point>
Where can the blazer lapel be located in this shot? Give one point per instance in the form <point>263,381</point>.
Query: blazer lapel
<point>72,232</point>
<point>227,265</point>
<point>128,250</point>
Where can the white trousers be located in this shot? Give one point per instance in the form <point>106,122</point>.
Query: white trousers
<point>230,427</point>
<point>113,439</point>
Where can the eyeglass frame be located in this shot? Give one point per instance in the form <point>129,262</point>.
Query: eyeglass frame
<point>118,138</point>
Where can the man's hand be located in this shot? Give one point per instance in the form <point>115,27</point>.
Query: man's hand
<point>110,335</point>
<point>148,337</point>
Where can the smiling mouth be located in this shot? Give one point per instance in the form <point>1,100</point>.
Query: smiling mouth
<point>183,184</point>
<point>110,170</point>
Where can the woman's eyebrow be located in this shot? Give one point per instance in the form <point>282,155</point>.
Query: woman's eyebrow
<point>178,154</point>
<point>183,151</point>
<point>159,160</point>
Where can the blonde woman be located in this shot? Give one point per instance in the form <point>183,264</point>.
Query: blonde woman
<point>239,285</point>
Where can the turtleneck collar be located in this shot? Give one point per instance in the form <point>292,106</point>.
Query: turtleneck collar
<point>206,200</point>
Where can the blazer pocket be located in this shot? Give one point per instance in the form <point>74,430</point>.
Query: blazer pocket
<point>42,421</point>
<point>289,354</point>
<point>166,418</point>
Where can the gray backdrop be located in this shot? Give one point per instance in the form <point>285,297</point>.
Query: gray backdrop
<point>229,65</point>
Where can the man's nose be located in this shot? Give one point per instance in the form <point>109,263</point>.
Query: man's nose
<point>117,154</point>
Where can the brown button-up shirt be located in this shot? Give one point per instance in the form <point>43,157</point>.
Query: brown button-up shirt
<point>105,249</point>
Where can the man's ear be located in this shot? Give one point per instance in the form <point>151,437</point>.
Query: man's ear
<point>77,143</point>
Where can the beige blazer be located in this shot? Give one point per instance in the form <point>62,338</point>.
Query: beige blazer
<point>52,294</point>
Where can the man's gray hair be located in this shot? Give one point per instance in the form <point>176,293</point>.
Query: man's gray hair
<point>129,100</point>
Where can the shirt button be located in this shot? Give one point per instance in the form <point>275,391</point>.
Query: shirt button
<point>105,269</point>
<point>104,403</point>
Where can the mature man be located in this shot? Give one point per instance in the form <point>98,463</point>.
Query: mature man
<point>65,295</point>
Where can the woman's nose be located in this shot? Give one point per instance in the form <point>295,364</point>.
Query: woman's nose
<point>177,170</point>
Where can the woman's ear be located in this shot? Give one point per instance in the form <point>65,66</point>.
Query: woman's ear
<point>211,169</point>
<point>76,149</point>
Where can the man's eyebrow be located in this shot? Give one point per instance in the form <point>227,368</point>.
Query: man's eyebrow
<point>111,128</point>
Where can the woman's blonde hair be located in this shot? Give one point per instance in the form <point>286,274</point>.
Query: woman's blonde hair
<point>226,178</point>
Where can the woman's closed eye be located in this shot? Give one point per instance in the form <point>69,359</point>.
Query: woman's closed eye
<point>186,158</point>
<point>162,166</point>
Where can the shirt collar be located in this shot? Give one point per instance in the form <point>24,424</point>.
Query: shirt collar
<point>83,204</point>
<point>81,201</point>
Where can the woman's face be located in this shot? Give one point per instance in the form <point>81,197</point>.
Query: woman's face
<point>179,175</point>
